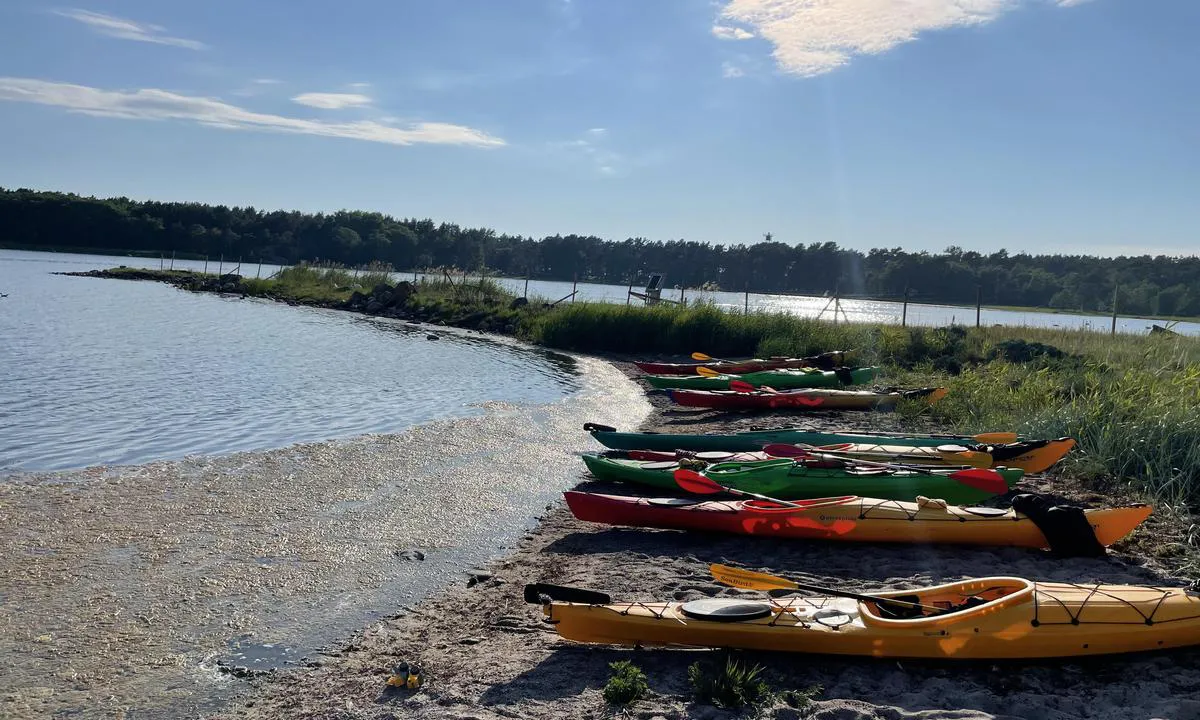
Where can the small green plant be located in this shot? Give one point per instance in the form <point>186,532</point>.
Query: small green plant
<point>801,699</point>
<point>731,686</point>
<point>626,684</point>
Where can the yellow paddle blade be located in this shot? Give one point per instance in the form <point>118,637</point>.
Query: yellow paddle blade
<point>701,357</point>
<point>707,371</point>
<point>967,457</point>
<point>748,579</point>
<point>996,438</point>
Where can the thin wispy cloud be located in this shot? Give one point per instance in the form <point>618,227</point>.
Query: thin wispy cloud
<point>150,104</point>
<point>729,70</point>
<point>332,101</point>
<point>593,148</point>
<point>812,37</point>
<point>113,26</point>
<point>728,32</point>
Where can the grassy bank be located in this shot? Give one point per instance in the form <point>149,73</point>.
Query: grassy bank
<point>1130,400</point>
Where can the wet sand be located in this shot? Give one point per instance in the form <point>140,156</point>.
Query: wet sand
<point>165,590</point>
<point>487,655</point>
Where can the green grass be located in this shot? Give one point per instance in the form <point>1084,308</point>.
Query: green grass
<point>730,685</point>
<point>626,684</point>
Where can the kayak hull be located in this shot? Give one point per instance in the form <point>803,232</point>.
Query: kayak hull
<point>846,519</point>
<point>1031,455</point>
<point>789,480</point>
<point>744,366</point>
<point>778,379</point>
<point>755,439</point>
<point>815,399</point>
<point>1031,620</point>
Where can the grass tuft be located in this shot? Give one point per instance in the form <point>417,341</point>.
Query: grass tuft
<point>731,685</point>
<point>626,684</point>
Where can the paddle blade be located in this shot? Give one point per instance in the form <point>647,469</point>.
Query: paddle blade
<point>784,450</point>
<point>701,357</point>
<point>988,481</point>
<point>694,482</point>
<point>536,592</point>
<point>748,579</point>
<point>996,438</point>
<point>741,386</point>
<point>706,371</point>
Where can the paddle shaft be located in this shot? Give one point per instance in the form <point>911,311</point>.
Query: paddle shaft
<point>754,580</point>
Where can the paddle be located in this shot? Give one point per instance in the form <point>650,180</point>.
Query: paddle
<point>751,580</point>
<point>694,482</point>
<point>707,371</point>
<point>706,358</point>
<point>978,478</point>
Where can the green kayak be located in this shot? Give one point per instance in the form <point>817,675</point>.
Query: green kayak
<point>778,379</point>
<point>750,440</point>
<point>796,480</point>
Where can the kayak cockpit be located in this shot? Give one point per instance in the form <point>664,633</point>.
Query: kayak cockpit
<point>946,604</point>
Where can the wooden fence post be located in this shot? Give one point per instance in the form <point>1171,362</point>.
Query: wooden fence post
<point>904,309</point>
<point>978,302</point>
<point>1114,317</point>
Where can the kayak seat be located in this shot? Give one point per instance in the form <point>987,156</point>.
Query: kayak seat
<point>1065,527</point>
<point>724,610</point>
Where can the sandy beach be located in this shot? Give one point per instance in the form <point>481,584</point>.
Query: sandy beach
<point>486,654</point>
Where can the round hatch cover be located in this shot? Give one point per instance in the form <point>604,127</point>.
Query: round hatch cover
<point>831,618</point>
<point>713,455</point>
<point>986,511</point>
<point>660,465</point>
<point>718,610</point>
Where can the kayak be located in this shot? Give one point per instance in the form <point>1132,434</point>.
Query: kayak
<point>797,479</point>
<point>848,518</point>
<point>749,440</point>
<point>825,361</point>
<point>778,379</point>
<point>801,399</point>
<point>982,618</point>
<point>1029,455</point>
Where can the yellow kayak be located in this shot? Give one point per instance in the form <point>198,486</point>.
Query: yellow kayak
<point>1032,456</point>
<point>982,618</point>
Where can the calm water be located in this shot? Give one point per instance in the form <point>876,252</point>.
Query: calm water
<point>99,371</point>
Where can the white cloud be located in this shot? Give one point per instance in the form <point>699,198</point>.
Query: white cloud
<point>266,81</point>
<point>812,37</point>
<point>592,149</point>
<point>332,101</point>
<point>726,32</point>
<point>729,70</point>
<point>113,26</point>
<point>149,104</point>
<point>1069,3</point>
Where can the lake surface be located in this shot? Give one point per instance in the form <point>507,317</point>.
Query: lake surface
<point>105,372</point>
<point>158,519</point>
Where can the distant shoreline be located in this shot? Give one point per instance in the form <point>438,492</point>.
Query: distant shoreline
<point>913,303</point>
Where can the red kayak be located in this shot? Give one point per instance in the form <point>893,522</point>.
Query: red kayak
<point>825,361</point>
<point>814,399</point>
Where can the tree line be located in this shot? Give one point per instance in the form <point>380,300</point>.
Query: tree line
<point>1159,285</point>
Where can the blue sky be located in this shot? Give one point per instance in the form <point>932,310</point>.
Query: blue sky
<point>1034,125</point>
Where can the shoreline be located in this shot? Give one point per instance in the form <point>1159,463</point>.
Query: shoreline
<point>487,655</point>
<point>178,275</point>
